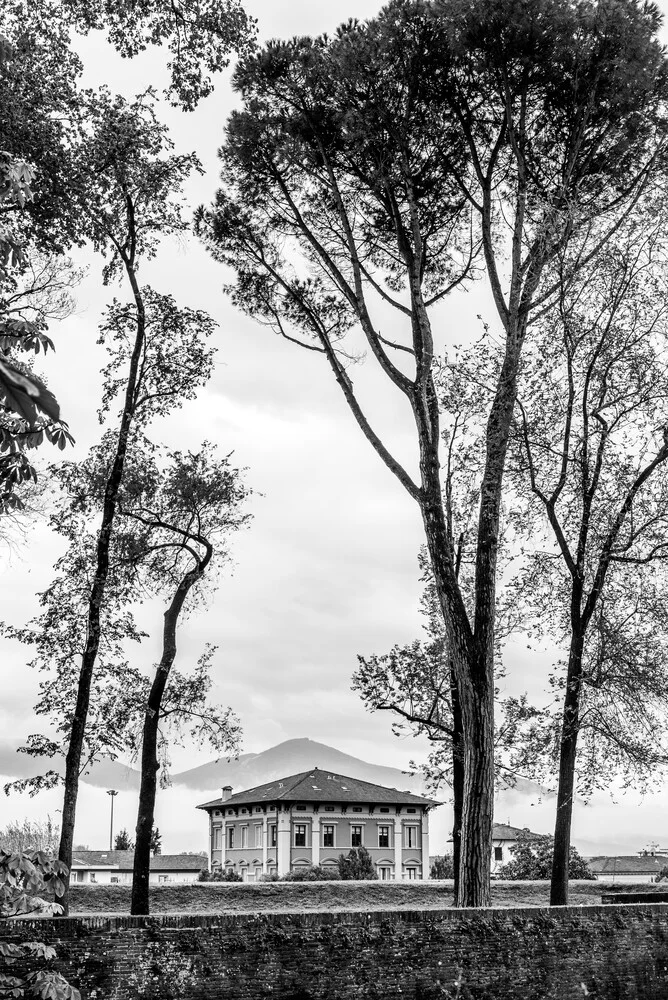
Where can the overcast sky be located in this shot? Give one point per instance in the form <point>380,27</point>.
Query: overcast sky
<point>328,568</point>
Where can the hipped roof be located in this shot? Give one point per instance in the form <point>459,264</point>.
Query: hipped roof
<point>320,786</point>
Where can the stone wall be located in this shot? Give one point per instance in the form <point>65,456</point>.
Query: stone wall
<point>604,952</point>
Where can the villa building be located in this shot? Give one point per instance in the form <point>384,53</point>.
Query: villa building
<point>311,818</point>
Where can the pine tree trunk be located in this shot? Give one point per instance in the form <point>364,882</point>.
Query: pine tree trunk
<point>567,760</point>
<point>457,780</point>
<point>478,798</point>
<point>149,755</point>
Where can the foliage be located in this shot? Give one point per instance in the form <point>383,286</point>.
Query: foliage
<point>123,842</point>
<point>442,867</point>
<point>30,835</point>
<point>156,841</point>
<point>313,873</point>
<point>24,876</point>
<point>224,875</point>
<point>532,859</point>
<point>357,864</point>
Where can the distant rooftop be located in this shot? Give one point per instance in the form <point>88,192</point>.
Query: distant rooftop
<point>504,831</point>
<point>627,864</point>
<point>320,786</point>
<point>124,860</point>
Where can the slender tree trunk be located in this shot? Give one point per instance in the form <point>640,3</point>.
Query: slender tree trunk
<point>88,660</point>
<point>457,780</point>
<point>149,753</point>
<point>567,759</point>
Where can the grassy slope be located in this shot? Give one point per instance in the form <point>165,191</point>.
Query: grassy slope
<point>296,896</point>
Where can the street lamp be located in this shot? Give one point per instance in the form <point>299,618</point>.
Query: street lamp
<point>113,794</point>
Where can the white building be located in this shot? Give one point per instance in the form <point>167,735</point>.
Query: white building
<point>107,867</point>
<point>311,818</point>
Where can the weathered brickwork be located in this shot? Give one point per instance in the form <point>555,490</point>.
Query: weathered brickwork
<point>603,952</point>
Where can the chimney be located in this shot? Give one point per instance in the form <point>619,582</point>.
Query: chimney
<point>226,791</point>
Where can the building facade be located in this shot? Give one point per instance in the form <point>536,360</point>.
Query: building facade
<point>504,838</point>
<point>115,867</point>
<point>313,817</point>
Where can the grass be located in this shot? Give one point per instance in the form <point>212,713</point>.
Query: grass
<point>305,896</point>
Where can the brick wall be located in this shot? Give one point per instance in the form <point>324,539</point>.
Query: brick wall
<point>604,952</point>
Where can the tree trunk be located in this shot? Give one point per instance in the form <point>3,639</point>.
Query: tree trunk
<point>567,759</point>
<point>457,780</point>
<point>474,703</point>
<point>149,753</point>
<point>477,706</point>
<point>78,729</point>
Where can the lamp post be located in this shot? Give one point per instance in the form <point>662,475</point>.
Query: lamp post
<point>113,794</point>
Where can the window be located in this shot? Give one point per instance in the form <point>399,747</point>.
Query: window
<point>258,809</point>
<point>272,835</point>
<point>300,835</point>
<point>356,836</point>
<point>410,833</point>
<point>357,809</point>
<point>301,808</point>
<point>77,876</point>
<point>384,809</point>
<point>244,836</point>
<point>385,873</point>
<point>328,836</point>
<point>93,877</point>
<point>245,810</point>
<point>258,835</point>
<point>410,810</point>
<point>258,872</point>
<point>411,873</point>
<point>115,878</point>
<point>498,854</point>
<point>329,809</point>
<point>217,839</point>
<point>383,836</point>
<point>163,878</point>
<point>230,836</point>
<point>230,812</point>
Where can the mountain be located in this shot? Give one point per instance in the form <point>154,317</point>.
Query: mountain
<point>286,758</point>
<point>289,757</point>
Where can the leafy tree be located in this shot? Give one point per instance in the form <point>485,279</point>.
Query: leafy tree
<point>132,192</point>
<point>592,443</point>
<point>24,876</point>
<point>171,521</point>
<point>201,35</point>
<point>532,859</point>
<point>374,172</point>
<point>442,867</point>
<point>357,864</point>
<point>30,835</point>
<point>123,842</point>
<point>156,841</point>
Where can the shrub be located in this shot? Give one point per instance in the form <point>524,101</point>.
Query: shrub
<point>225,875</point>
<point>532,859</point>
<point>312,873</point>
<point>270,877</point>
<point>443,867</point>
<point>23,877</point>
<point>357,864</point>
<point>204,875</point>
